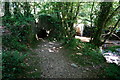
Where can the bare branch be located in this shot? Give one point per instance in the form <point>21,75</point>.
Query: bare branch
<point>111,31</point>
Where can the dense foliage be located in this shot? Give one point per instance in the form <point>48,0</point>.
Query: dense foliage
<point>13,65</point>
<point>112,71</point>
<point>17,37</point>
<point>21,26</point>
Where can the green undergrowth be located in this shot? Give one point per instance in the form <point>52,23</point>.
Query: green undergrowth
<point>16,47</point>
<point>0,40</point>
<point>113,48</point>
<point>33,70</point>
<point>14,58</point>
<point>88,54</point>
<point>13,64</point>
<point>10,42</point>
<point>70,43</point>
<point>35,43</point>
<point>111,71</point>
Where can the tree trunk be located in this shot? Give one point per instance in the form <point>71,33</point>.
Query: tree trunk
<point>100,24</point>
<point>7,13</point>
<point>91,18</point>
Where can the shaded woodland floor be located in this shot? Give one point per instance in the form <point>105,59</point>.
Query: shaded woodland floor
<point>50,61</point>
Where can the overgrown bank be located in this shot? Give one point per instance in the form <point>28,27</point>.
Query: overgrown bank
<point>16,40</point>
<point>86,54</point>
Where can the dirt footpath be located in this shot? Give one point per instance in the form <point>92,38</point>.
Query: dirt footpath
<point>54,64</point>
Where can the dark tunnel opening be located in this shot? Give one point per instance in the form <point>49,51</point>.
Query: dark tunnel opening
<point>42,34</point>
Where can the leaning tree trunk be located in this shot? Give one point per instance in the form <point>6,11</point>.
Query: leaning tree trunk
<point>113,29</point>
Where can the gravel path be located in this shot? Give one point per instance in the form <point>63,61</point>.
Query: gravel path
<point>54,64</point>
